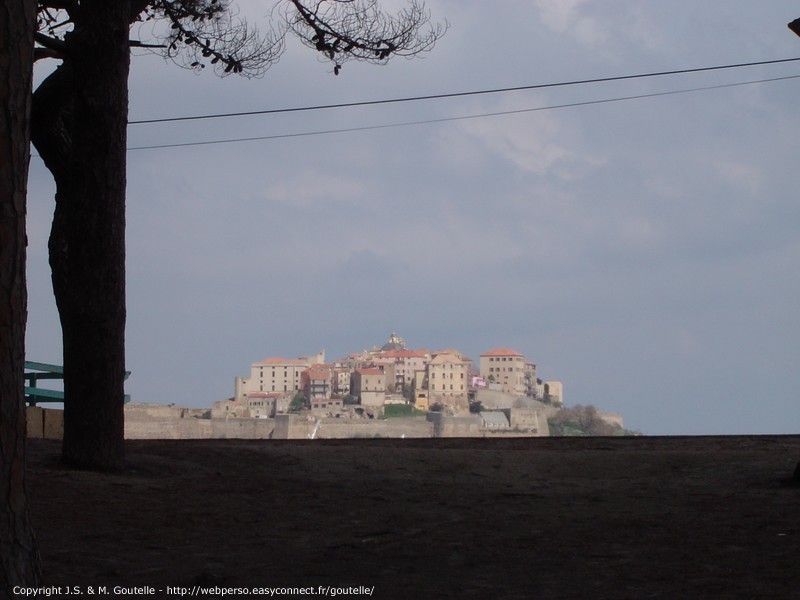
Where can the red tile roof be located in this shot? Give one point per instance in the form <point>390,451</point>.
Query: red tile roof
<point>369,371</point>
<point>501,352</point>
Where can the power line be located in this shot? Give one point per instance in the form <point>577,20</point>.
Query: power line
<point>461,94</point>
<point>460,118</point>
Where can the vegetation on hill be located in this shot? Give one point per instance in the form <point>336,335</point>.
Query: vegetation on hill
<point>401,410</point>
<point>298,402</point>
<point>584,421</point>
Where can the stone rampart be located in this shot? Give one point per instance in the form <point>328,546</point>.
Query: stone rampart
<point>156,421</point>
<point>45,423</point>
<point>153,421</point>
<point>495,399</point>
<point>450,426</point>
<point>398,427</point>
<point>294,427</point>
<point>529,420</point>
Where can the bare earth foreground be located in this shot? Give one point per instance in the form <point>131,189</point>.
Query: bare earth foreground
<point>647,517</point>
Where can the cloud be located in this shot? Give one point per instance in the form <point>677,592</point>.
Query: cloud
<point>616,30</point>
<point>739,175</point>
<point>567,15</point>
<point>308,189</point>
<point>537,142</point>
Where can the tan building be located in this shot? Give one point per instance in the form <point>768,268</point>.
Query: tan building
<point>405,363</point>
<point>275,375</point>
<point>447,376</point>
<point>555,391</point>
<point>369,386</point>
<point>505,370</point>
<point>262,405</point>
<point>421,389</point>
<point>329,405</point>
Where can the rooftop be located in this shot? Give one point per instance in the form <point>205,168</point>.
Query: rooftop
<point>282,361</point>
<point>501,352</point>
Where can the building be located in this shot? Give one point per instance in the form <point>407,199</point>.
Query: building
<point>405,363</point>
<point>341,381</point>
<point>504,369</point>
<point>275,375</point>
<point>420,383</point>
<point>533,387</point>
<point>369,386</point>
<point>447,381</point>
<point>262,405</point>
<point>330,405</point>
<point>476,381</point>
<point>554,392</point>
<point>317,382</point>
<point>395,343</point>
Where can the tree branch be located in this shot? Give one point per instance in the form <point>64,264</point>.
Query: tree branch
<point>357,29</point>
<point>55,48</point>
<point>41,53</point>
<point>139,44</point>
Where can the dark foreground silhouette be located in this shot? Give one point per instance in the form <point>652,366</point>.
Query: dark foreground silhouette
<point>646,517</point>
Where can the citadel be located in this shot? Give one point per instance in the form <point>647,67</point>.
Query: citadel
<point>388,391</point>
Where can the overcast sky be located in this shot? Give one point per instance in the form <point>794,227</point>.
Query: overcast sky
<point>644,252</point>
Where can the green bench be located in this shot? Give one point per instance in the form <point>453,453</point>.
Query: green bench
<point>36,372</point>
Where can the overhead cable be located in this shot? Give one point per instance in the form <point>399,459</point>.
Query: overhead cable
<point>461,94</point>
<point>459,118</point>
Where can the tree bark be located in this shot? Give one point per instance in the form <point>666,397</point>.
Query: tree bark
<point>79,127</point>
<point>19,559</point>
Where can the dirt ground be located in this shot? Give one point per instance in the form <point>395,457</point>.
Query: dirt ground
<point>646,517</point>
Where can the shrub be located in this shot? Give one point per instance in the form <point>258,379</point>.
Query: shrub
<point>583,420</point>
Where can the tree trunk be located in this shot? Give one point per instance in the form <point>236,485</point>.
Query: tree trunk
<point>19,559</point>
<point>79,127</point>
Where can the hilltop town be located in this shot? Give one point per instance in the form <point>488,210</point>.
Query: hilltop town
<point>388,391</point>
<point>439,381</point>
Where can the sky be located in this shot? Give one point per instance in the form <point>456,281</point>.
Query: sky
<point>644,252</point>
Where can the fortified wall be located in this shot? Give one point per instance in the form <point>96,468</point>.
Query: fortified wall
<point>295,427</point>
<point>161,422</point>
<point>158,421</point>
